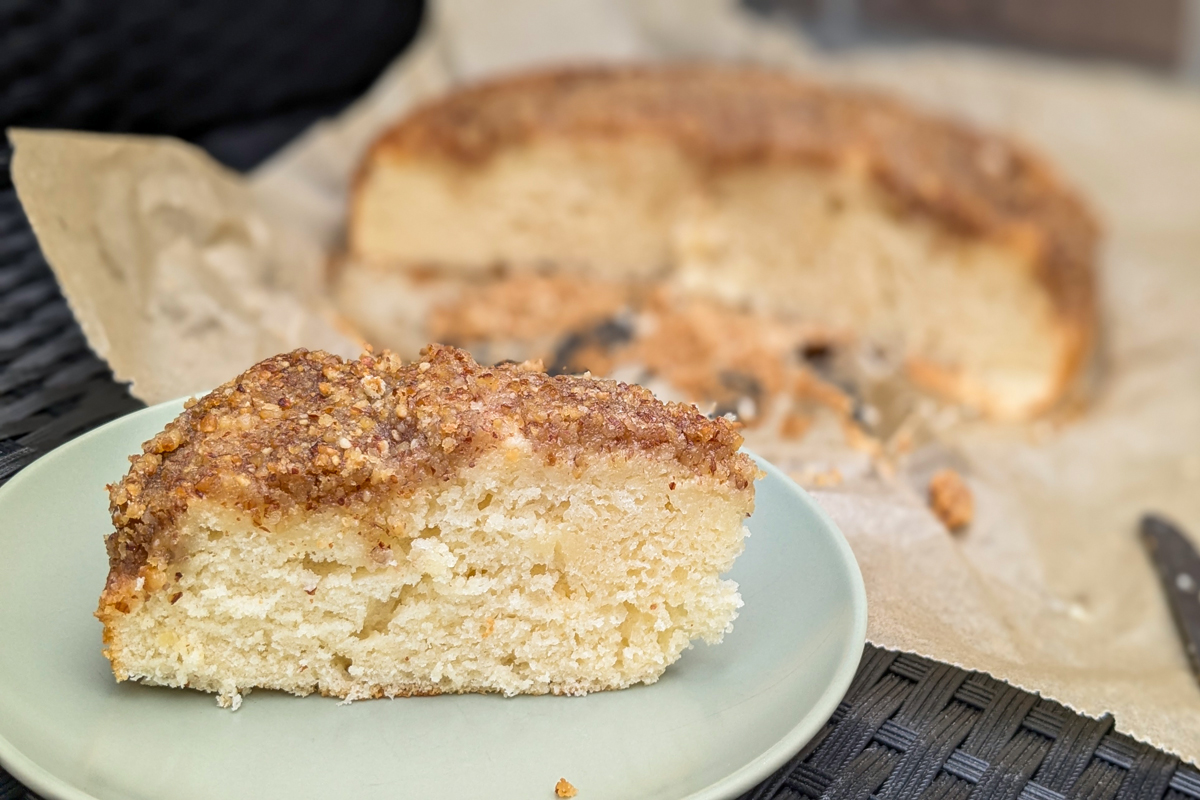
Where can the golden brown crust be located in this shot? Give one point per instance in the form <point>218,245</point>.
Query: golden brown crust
<point>975,183</point>
<point>305,430</point>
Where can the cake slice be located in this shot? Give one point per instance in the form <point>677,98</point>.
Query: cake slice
<point>373,528</point>
<point>960,250</point>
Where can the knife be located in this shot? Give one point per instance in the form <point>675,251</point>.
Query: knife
<point>1178,566</point>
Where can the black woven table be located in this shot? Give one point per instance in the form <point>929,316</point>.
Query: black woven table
<point>907,728</point>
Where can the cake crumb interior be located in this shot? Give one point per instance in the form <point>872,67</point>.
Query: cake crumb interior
<point>512,576</point>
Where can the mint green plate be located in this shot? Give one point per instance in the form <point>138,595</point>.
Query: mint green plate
<point>719,721</point>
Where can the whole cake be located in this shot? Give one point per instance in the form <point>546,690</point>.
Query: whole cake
<point>379,528</point>
<point>961,250</point>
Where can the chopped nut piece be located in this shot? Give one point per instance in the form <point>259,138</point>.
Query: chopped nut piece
<point>950,499</point>
<point>564,789</point>
<point>532,365</point>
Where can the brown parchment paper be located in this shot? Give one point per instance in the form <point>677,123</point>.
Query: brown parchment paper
<point>178,277</point>
<point>182,274</point>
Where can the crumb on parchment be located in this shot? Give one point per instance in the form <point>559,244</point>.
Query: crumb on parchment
<point>564,788</point>
<point>951,500</point>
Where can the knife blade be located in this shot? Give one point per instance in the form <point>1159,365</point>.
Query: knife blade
<point>1178,566</point>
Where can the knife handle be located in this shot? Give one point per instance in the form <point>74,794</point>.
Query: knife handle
<point>1178,566</point>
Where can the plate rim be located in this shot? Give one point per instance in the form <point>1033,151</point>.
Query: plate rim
<point>44,782</point>
<point>778,754</point>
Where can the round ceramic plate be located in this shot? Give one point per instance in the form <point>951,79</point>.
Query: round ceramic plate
<point>721,719</point>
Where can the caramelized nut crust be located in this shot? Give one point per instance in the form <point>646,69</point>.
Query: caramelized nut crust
<point>305,430</point>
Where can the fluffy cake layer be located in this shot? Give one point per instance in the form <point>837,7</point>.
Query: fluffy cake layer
<point>841,208</point>
<point>369,528</point>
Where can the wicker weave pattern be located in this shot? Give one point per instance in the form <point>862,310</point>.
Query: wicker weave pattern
<point>910,727</point>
